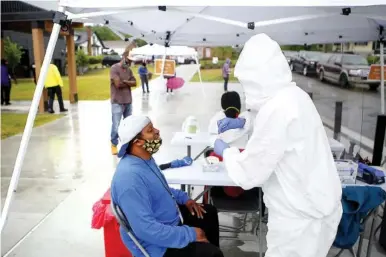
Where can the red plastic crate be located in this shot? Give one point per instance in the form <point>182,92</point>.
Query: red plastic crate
<point>114,246</point>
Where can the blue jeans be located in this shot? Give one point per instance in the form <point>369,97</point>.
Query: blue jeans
<point>118,111</point>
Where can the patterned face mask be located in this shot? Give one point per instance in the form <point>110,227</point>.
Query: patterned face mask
<point>152,146</point>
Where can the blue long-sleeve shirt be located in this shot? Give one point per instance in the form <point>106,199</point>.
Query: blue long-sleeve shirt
<point>142,71</point>
<point>138,187</point>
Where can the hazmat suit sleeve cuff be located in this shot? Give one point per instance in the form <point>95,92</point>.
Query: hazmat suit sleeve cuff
<point>229,152</point>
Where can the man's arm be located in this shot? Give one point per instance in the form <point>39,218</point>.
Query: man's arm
<point>180,196</point>
<point>136,205</point>
<point>132,82</point>
<point>114,76</point>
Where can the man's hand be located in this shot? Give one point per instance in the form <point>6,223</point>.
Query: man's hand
<point>130,83</point>
<point>195,208</point>
<point>201,236</point>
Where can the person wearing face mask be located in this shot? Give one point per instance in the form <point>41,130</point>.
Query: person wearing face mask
<point>121,82</point>
<point>164,220</point>
<point>288,154</point>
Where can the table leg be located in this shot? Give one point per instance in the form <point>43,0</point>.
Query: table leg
<point>260,219</point>
<point>189,154</point>
<point>369,247</point>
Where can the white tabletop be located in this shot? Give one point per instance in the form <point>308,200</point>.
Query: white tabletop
<point>185,139</point>
<point>195,175</point>
<point>205,138</point>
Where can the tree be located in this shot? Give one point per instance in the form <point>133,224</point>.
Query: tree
<point>81,60</point>
<point>13,53</point>
<point>105,33</point>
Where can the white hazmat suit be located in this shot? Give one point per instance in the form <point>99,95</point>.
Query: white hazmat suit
<point>288,154</point>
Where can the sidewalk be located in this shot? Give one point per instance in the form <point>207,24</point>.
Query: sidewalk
<point>69,167</point>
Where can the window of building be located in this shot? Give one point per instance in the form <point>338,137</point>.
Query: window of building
<point>361,43</point>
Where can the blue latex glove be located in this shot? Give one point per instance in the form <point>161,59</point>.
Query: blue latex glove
<point>230,123</point>
<point>219,147</point>
<point>186,161</point>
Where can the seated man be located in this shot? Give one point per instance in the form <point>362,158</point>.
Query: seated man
<point>164,220</point>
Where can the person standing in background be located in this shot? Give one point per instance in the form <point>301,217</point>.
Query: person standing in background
<point>54,84</point>
<point>5,83</point>
<point>143,74</point>
<point>225,73</point>
<point>121,82</point>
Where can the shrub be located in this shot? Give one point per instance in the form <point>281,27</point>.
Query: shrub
<point>81,58</point>
<point>372,59</point>
<point>95,59</point>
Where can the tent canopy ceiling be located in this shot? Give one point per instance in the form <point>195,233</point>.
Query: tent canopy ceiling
<point>227,25</point>
<point>156,49</point>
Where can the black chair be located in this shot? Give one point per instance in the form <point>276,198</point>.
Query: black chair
<point>124,223</point>
<point>247,203</point>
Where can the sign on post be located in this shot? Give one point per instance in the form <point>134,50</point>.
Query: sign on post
<point>375,72</point>
<point>169,69</point>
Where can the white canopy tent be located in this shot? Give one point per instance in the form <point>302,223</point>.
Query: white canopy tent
<point>310,21</point>
<point>155,49</point>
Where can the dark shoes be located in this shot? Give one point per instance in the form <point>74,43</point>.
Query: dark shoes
<point>62,110</point>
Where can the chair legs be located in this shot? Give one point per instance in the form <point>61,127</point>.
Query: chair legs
<point>342,250</point>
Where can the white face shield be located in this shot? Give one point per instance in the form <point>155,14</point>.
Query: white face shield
<point>262,70</point>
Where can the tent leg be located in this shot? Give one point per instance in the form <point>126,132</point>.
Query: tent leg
<point>30,121</point>
<point>382,62</point>
<point>163,64</point>
<point>199,75</point>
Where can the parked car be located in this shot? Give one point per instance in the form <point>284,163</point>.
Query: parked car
<point>322,59</point>
<point>289,55</point>
<point>186,60</point>
<point>347,70</point>
<point>110,60</point>
<point>305,62</point>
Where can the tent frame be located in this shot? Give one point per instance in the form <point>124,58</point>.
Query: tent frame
<point>61,21</point>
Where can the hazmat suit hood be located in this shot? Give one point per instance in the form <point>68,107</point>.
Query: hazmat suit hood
<point>227,61</point>
<point>262,70</point>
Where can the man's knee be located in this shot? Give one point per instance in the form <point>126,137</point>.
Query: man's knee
<point>210,208</point>
<point>213,251</point>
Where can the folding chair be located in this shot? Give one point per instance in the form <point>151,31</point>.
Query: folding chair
<point>247,203</point>
<point>370,214</point>
<point>124,223</point>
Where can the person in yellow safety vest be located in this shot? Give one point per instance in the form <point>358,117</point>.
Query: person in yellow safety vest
<point>54,84</point>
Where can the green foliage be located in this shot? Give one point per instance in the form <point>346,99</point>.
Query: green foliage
<point>373,59</point>
<point>207,64</point>
<point>81,58</point>
<point>95,59</point>
<point>105,33</point>
<point>12,52</point>
<point>223,52</point>
<point>140,42</point>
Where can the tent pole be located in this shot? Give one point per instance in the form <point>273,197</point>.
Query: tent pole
<point>199,75</point>
<point>163,64</point>
<point>382,62</point>
<point>30,121</point>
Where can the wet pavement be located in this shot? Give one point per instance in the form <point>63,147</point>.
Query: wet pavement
<point>360,105</point>
<point>69,166</point>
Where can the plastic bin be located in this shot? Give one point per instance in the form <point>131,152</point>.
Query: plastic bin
<point>114,246</point>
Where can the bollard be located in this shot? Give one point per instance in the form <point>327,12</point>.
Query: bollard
<point>338,120</point>
<point>310,94</point>
<point>379,140</point>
